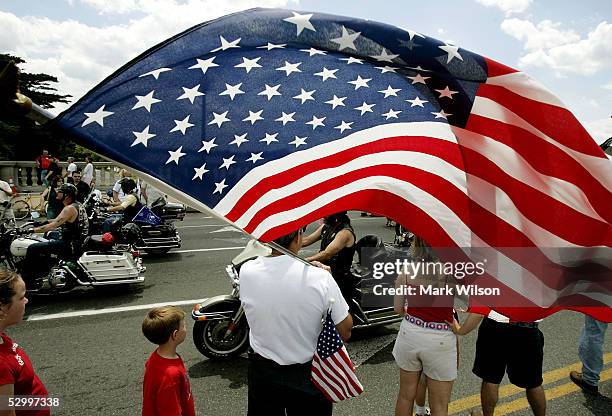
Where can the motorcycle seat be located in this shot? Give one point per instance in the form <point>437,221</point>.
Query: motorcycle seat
<point>94,242</point>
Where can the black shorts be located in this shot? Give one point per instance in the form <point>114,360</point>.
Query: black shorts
<point>505,348</point>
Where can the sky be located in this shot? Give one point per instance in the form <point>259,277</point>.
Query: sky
<point>564,44</point>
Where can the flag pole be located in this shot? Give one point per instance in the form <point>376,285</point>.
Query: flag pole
<point>39,114</point>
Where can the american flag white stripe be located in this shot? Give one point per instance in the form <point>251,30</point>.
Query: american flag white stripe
<point>435,165</point>
<point>507,159</point>
<point>503,207</point>
<point>341,370</point>
<point>599,167</point>
<point>327,385</point>
<point>344,361</point>
<point>525,86</point>
<point>330,375</point>
<point>457,231</point>
<point>429,129</point>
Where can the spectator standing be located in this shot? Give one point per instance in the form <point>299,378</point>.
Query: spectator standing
<point>88,171</point>
<point>506,347</point>
<point>54,206</point>
<point>17,376</point>
<point>425,343</point>
<point>82,188</point>
<point>72,167</point>
<point>118,194</point>
<point>166,388</point>
<point>591,355</point>
<point>43,162</point>
<point>294,296</point>
<point>54,169</point>
<point>6,213</point>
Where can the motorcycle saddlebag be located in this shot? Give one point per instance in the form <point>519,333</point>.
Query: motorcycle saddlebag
<point>171,211</point>
<point>109,266</point>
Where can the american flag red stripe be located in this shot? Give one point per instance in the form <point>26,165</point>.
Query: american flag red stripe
<point>554,121</point>
<point>531,149</point>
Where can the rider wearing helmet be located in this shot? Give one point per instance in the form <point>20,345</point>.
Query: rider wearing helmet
<point>337,249</point>
<point>131,204</point>
<point>73,224</point>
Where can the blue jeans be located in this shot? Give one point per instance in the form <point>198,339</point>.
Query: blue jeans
<point>591,349</point>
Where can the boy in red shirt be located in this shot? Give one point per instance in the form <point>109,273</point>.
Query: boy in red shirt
<point>166,389</point>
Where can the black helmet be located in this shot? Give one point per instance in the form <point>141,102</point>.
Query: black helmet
<point>130,233</point>
<point>68,189</point>
<point>127,185</point>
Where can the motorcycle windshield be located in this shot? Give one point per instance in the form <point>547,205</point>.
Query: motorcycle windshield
<point>253,249</point>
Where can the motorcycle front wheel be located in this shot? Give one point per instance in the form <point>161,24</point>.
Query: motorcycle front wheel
<point>211,340</point>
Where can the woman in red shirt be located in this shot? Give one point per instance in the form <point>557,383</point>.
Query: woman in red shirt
<point>425,343</point>
<point>17,377</point>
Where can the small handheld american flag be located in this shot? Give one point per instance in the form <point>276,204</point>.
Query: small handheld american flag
<point>332,369</point>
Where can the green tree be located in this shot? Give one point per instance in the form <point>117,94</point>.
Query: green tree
<point>36,86</point>
<point>21,138</point>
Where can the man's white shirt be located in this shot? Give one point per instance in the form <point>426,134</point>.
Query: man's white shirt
<point>4,186</point>
<point>284,301</point>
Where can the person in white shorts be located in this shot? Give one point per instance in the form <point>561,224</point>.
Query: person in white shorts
<point>425,342</point>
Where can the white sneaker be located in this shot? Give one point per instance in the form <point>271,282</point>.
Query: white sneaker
<point>427,412</point>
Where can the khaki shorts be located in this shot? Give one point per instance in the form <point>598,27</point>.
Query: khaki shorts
<point>432,351</point>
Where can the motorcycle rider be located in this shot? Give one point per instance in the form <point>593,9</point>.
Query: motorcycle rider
<point>337,249</point>
<point>73,225</point>
<point>131,204</point>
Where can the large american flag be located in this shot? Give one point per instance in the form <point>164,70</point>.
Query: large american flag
<point>332,369</point>
<point>273,118</point>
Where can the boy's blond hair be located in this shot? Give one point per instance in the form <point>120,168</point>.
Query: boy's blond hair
<point>160,323</point>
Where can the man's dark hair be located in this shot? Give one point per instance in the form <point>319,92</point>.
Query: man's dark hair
<point>285,241</point>
<point>77,171</point>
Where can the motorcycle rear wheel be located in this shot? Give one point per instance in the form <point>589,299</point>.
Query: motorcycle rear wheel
<point>208,338</point>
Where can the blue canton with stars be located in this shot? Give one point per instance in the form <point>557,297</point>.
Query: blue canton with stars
<point>202,109</point>
<point>329,341</point>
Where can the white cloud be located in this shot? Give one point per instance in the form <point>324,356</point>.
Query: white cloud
<point>507,6</point>
<point>544,35</point>
<point>80,55</point>
<point>548,45</point>
<point>600,129</point>
<point>608,86</point>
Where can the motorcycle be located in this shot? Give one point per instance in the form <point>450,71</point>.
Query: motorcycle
<point>221,330</point>
<point>102,261</point>
<point>156,238</point>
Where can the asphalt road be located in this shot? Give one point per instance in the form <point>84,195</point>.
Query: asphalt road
<point>94,362</point>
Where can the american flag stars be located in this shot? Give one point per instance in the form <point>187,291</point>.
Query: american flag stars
<point>283,96</point>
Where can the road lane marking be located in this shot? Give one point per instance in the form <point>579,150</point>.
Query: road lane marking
<point>196,250</point>
<point>551,394</point>
<point>228,228</point>
<point>92,312</point>
<point>508,390</point>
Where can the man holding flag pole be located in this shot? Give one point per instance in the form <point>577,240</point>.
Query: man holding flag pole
<point>284,300</point>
